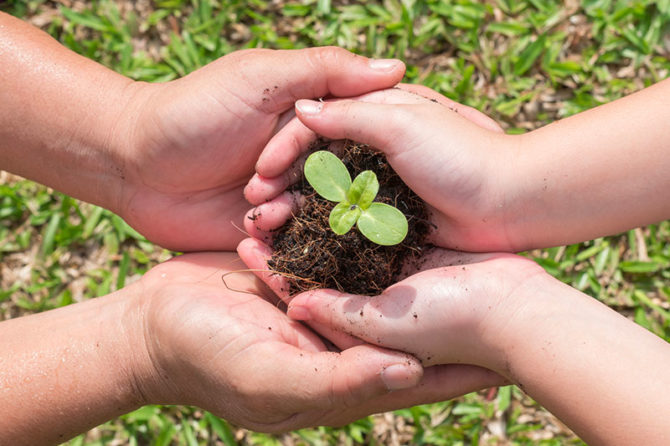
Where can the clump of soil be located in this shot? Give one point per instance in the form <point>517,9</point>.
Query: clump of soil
<point>312,256</point>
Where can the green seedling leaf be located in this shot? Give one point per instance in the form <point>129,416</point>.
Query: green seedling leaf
<point>343,217</point>
<point>383,224</point>
<point>364,189</point>
<point>327,175</point>
<point>380,223</point>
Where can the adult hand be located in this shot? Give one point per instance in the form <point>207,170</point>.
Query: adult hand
<point>447,153</point>
<point>172,158</point>
<point>192,143</point>
<point>181,335</point>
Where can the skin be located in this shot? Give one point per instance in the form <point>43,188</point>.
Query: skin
<point>287,151</point>
<point>593,174</point>
<point>172,159</point>
<point>597,371</point>
<point>277,206</point>
<point>500,311</point>
<point>180,336</point>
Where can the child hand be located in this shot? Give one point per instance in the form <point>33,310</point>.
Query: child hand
<point>447,153</point>
<point>458,309</point>
<point>572,354</point>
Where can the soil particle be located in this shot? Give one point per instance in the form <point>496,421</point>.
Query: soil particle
<point>312,256</point>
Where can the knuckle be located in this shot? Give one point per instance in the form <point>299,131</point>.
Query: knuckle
<point>329,56</point>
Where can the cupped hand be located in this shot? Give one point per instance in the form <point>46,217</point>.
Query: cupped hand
<point>228,348</point>
<point>450,155</point>
<point>455,311</point>
<point>190,145</point>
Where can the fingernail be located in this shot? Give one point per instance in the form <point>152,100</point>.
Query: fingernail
<point>384,64</point>
<point>298,313</point>
<point>308,107</point>
<point>397,377</point>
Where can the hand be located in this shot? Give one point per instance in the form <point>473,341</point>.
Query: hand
<point>193,142</point>
<point>447,153</point>
<point>454,311</point>
<point>568,351</point>
<point>227,349</point>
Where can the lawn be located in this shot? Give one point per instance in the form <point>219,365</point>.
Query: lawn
<point>526,63</point>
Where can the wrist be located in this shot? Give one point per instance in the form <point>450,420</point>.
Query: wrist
<point>499,199</point>
<point>140,372</point>
<point>514,310</point>
<point>118,136</point>
<point>149,375</point>
<point>538,314</point>
<point>104,139</point>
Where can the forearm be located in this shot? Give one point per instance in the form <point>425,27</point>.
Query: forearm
<point>597,173</point>
<point>65,371</point>
<point>61,115</point>
<point>601,374</point>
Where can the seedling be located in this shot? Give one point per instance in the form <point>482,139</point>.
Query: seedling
<point>379,222</point>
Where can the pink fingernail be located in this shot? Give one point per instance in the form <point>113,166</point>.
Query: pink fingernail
<point>298,313</point>
<point>384,64</point>
<point>308,107</point>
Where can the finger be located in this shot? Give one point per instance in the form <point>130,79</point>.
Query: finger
<point>444,382</point>
<point>283,120</point>
<point>333,382</point>
<point>261,221</point>
<point>377,320</point>
<point>260,189</point>
<point>256,255</point>
<point>310,73</point>
<point>470,113</point>
<point>284,148</point>
<point>287,164</point>
<point>361,121</point>
<point>426,92</point>
<point>281,158</point>
<point>439,383</point>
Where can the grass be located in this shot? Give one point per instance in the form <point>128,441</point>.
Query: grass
<point>526,63</point>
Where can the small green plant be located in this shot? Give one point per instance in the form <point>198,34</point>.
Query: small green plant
<point>379,222</point>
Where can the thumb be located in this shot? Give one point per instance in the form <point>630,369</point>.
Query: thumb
<point>277,78</point>
<point>333,383</point>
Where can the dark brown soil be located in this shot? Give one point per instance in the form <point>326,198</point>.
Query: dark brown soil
<point>312,256</point>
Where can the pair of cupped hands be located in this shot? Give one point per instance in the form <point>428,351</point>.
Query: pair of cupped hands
<point>199,149</point>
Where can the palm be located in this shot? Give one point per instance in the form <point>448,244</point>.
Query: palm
<point>215,334</point>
